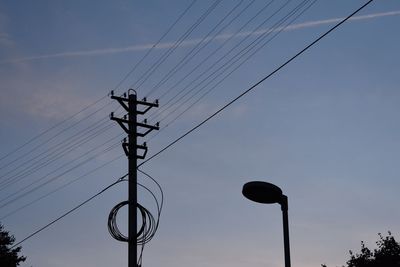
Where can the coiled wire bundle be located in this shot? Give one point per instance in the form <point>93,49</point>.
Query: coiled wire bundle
<point>149,223</point>
<point>112,223</point>
<point>146,231</point>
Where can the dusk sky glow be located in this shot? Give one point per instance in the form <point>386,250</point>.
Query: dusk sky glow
<point>325,128</point>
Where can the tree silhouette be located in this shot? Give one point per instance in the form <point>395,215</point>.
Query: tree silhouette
<point>386,255</point>
<point>8,257</point>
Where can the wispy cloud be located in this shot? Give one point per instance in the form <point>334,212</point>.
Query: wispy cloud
<point>51,98</point>
<point>105,51</point>
<point>5,39</point>
<point>315,23</point>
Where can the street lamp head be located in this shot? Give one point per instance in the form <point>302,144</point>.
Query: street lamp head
<point>262,192</point>
<point>266,193</point>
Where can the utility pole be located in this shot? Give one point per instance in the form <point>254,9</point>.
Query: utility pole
<point>131,126</point>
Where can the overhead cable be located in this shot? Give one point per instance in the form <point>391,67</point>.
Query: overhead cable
<point>278,29</point>
<point>60,188</point>
<point>177,97</point>
<point>103,97</point>
<point>256,84</point>
<point>227,65</point>
<point>62,131</point>
<point>81,159</point>
<point>144,77</point>
<point>198,47</point>
<point>69,212</point>
<point>204,121</point>
<point>154,45</point>
<point>54,178</point>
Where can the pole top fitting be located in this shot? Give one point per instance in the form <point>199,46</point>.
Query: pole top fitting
<point>133,91</point>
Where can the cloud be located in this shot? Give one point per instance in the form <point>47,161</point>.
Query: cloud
<point>5,39</point>
<point>316,23</point>
<point>95,52</point>
<point>51,98</point>
<point>105,51</point>
<point>54,104</point>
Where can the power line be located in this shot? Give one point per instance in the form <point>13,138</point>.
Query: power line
<point>205,120</point>
<point>51,128</point>
<point>173,101</point>
<point>192,53</point>
<point>56,155</point>
<point>219,47</point>
<point>231,62</point>
<point>103,97</point>
<point>252,46</point>
<point>70,211</point>
<point>256,84</point>
<point>155,45</point>
<point>25,173</point>
<point>144,77</point>
<point>45,160</point>
<point>109,148</point>
<point>60,188</point>
<point>52,148</point>
<point>52,179</point>
<point>53,157</point>
<point>235,68</point>
<point>62,131</point>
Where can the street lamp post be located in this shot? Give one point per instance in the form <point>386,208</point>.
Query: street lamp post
<point>266,193</point>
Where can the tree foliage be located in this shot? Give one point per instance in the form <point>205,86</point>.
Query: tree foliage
<point>387,254</point>
<point>8,257</point>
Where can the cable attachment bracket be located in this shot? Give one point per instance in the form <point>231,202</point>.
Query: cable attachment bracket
<point>144,148</point>
<point>125,147</point>
<point>148,128</point>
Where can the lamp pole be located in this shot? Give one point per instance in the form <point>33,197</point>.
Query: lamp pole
<point>285,219</point>
<point>266,193</point>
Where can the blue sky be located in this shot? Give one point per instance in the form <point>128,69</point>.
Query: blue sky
<point>325,129</point>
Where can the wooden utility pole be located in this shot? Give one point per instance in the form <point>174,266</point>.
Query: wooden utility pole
<point>131,127</point>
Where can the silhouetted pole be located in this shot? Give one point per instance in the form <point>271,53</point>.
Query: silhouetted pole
<point>130,126</point>
<point>132,182</point>
<point>285,217</point>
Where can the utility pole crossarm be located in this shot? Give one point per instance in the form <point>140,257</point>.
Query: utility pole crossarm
<point>121,100</point>
<point>148,127</point>
<point>121,122</point>
<point>147,104</point>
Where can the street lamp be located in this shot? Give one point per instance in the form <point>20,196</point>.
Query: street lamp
<point>266,193</point>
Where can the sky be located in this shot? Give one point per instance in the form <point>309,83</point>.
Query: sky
<point>325,128</point>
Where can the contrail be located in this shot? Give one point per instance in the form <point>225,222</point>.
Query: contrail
<point>167,45</point>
